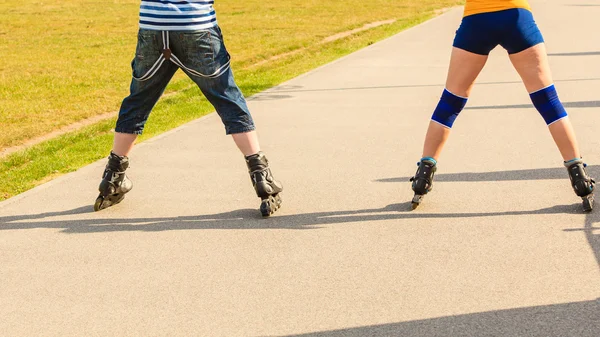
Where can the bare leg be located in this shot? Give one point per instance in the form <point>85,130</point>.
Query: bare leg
<point>462,73</point>
<point>532,66</point>
<point>267,188</point>
<point>247,142</point>
<point>123,143</point>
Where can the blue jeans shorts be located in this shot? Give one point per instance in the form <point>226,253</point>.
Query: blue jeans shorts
<point>203,57</point>
<point>514,29</point>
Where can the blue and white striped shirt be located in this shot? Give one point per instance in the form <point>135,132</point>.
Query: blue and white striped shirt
<point>177,14</point>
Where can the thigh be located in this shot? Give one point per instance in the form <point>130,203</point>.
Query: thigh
<point>206,61</point>
<point>532,65</point>
<point>136,107</point>
<point>463,71</point>
<point>151,72</point>
<point>150,75</point>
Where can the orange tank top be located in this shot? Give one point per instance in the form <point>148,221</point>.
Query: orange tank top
<point>485,6</point>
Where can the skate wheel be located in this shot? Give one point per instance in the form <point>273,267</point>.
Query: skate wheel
<point>416,201</point>
<point>266,207</point>
<point>278,200</point>
<point>108,201</point>
<point>588,203</point>
<point>270,205</point>
<point>98,204</point>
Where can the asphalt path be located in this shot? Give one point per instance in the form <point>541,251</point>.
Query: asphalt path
<point>500,248</point>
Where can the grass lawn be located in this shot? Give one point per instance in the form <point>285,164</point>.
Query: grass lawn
<point>64,61</point>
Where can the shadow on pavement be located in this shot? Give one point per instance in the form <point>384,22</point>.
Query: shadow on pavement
<point>79,210</point>
<point>587,53</point>
<point>299,89</point>
<point>568,319</point>
<point>582,104</point>
<point>515,175</point>
<point>533,174</point>
<point>249,218</point>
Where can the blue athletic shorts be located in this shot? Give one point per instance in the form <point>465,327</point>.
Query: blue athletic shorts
<point>514,29</point>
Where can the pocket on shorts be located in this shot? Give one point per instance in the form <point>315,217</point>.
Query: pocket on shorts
<point>147,52</point>
<point>205,51</point>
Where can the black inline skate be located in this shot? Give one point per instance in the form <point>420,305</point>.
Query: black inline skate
<point>267,188</point>
<point>422,182</point>
<point>114,184</point>
<point>583,185</point>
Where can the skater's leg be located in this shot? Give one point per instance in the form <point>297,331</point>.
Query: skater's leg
<point>150,75</point>
<point>133,114</point>
<point>247,142</point>
<point>123,143</point>
<point>136,108</point>
<point>532,65</point>
<point>475,39</point>
<point>435,139</point>
<point>464,69</point>
<point>231,106</point>
<point>564,136</point>
<point>208,68</point>
<point>462,73</point>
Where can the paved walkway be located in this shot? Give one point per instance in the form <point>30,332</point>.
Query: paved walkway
<point>499,249</point>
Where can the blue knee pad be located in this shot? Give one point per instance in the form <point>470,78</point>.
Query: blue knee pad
<point>448,109</point>
<point>549,106</point>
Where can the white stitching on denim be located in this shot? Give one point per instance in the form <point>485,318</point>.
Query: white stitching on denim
<point>161,59</point>
<point>216,74</point>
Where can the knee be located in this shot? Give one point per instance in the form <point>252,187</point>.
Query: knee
<point>448,109</point>
<point>548,104</point>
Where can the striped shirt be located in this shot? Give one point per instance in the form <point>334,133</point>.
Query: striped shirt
<point>177,15</point>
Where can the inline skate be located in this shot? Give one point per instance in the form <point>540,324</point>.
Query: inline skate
<point>422,182</point>
<point>267,188</point>
<point>115,183</point>
<point>582,183</point>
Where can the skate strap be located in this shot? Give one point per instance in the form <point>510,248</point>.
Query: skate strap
<point>167,54</point>
<point>259,170</point>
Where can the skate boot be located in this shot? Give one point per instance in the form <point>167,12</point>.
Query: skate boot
<point>583,185</point>
<point>267,188</point>
<point>114,182</point>
<point>422,182</point>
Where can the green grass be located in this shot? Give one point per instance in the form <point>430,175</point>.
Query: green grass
<point>51,77</point>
